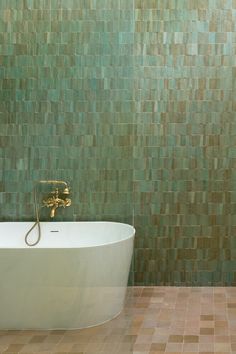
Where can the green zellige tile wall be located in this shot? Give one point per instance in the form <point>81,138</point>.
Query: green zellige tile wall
<point>185,151</point>
<point>66,105</point>
<point>132,102</point>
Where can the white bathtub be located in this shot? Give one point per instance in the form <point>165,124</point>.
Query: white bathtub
<point>75,277</point>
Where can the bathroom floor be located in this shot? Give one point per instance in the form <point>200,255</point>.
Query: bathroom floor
<point>155,320</point>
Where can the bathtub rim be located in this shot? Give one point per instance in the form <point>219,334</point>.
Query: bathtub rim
<point>37,247</point>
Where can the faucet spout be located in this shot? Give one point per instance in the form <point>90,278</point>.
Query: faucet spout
<point>53,211</point>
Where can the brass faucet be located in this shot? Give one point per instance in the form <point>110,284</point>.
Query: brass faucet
<point>55,201</point>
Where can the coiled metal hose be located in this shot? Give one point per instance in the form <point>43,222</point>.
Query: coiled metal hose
<point>37,223</point>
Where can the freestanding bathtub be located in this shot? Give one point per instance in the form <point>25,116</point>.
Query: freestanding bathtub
<point>75,277</point>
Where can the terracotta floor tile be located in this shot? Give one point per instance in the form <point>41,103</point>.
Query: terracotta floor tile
<point>191,339</point>
<point>190,347</point>
<point>174,347</point>
<point>207,318</point>
<point>14,348</point>
<point>206,339</point>
<point>207,331</point>
<point>206,347</point>
<point>141,347</point>
<point>155,320</point>
<point>176,338</point>
<point>158,347</point>
<point>222,347</point>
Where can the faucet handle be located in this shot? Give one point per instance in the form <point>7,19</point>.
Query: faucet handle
<point>67,202</point>
<point>48,202</point>
<point>66,191</point>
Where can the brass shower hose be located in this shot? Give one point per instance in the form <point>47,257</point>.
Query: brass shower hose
<point>37,223</point>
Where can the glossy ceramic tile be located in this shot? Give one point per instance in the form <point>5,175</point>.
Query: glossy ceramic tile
<point>66,106</point>
<point>184,153</point>
<point>133,103</point>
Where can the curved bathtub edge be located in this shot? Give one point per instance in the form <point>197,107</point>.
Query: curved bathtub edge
<point>66,328</point>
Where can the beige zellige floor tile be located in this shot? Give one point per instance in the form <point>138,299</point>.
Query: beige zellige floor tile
<point>155,320</point>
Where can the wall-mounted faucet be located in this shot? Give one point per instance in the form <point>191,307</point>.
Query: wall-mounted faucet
<point>58,197</point>
<point>54,202</point>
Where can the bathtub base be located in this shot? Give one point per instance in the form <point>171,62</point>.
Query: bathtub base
<point>35,316</point>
